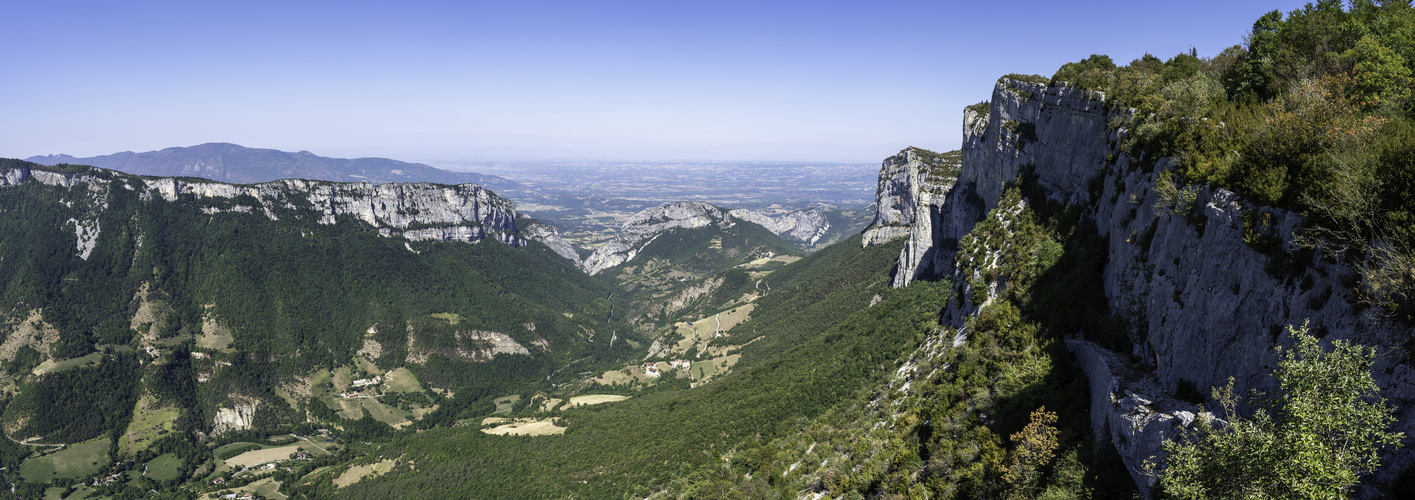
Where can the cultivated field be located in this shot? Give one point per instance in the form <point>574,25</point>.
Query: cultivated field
<point>257,457</point>
<point>147,425</point>
<point>358,472</point>
<point>401,380</point>
<point>164,467</point>
<point>76,460</point>
<point>51,366</point>
<point>504,403</point>
<point>594,399</point>
<point>526,427</point>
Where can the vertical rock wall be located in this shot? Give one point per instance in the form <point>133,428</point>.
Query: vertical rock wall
<point>1203,304</point>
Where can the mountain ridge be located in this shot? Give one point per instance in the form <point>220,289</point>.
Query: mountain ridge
<point>234,163</point>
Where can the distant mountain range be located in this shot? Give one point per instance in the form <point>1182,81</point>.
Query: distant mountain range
<point>237,164</point>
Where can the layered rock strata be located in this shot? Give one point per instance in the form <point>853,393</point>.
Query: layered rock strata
<point>416,211</point>
<point>1203,304</point>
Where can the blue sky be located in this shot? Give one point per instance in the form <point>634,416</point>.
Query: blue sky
<point>811,81</point>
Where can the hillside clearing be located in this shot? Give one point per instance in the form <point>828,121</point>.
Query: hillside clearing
<point>257,457</point>
<point>77,460</point>
<point>358,472</point>
<point>526,427</point>
<point>594,399</point>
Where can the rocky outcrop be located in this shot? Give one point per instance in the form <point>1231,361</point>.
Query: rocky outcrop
<point>802,227</point>
<point>239,418</point>
<point>416,211</point>
<point>533,229</point>
<point>643,227</point>
<point>1203,304</point>
<point>1132,412</point>
<point>912,200</point>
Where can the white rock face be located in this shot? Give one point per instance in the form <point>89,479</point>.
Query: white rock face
<point>644,226</point>
<point>238,418</point>
<point>550,237</point>
<point>1205,305</point>
<point>803,227</point>
<point>416,211</point>
<point>1131,411</point>
<point>911,200</point>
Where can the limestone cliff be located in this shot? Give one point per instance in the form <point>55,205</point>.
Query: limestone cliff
<point>550,236</point>
<point>1204,305</point>
<point>802,227</point>
<point>644,226</point>
<point>912,200</point>
<point>416,211</point>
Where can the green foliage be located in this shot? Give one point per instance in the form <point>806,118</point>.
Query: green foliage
<point>982,108</point>
<point>1322,433</point>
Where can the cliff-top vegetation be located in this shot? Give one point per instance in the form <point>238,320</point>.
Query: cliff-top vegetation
<point>1314,113</point>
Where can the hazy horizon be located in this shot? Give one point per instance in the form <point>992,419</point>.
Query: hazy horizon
<point>743,81</point>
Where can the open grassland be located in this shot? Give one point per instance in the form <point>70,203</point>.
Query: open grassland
<point>700,332</point>
<point>164,468</point>
<point>266,488</point>
<point>358,472</point>
<point>527,427</point>
<point>343,376</point>
<point>551,403</point>
<point>264,455</point>
<point>73,461</point>
<point>233,447</point>
<point>505,403</point>
<point>52,366</point>
<point>57,493</point>
<point>367,366</point>
<point>594,399</point>
<point>401,380</point>
<point>147,425</point>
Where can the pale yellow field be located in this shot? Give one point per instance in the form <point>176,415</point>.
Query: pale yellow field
<point>551,403</point>
<point>702,331</point>
<point>594,399</point>
<point>401,380</point>
<point>257,457</point>
<point>358,472</point>
<point>527,428</point>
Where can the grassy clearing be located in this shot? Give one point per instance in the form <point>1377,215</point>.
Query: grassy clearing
<point>230,447</point>
<point>76,460</point>
<point>700,332</point>
<point>266,488</point>
<point>358,472</point>
<point>164,468</point>
<point>57,493</point>
<point>594,399</point>
<point>257,457</point>
<point>147,425</point>
<point>505,403</point>
<point>52,366</point>
<point>381,413</point>
<point>343,376</point>
<point>367,366</point>
<point>550,404</point>
<point>214,337</point>
<point>621,376</point>
<point>527,427</point>
<point>450,318</point>
<point>401,380</point>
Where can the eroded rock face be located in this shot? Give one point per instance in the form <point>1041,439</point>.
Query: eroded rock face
<point>1204,305</point>
<point>416,211</point>
<point>239,418</point>
<point>550,237</point>
<point>644,226</point>
<point>912,200</point>
<point>802,227</point>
